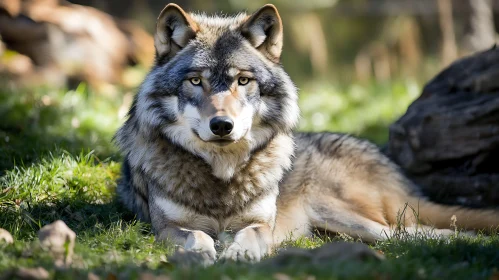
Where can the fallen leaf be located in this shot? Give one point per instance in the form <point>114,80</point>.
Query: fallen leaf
<point>92,276</point>
<point>495,275</point>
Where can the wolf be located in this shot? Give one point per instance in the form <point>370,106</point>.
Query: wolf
<point>210,153</point>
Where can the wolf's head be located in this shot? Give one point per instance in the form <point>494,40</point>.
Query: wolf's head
<point>217,88</point>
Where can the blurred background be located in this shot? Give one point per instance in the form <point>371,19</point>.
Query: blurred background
<point>68,70</point>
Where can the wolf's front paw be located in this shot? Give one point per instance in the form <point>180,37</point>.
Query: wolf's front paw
<point>242,252</point>
<point>199,249</point>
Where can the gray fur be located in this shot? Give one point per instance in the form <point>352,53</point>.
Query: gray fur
<point>171,167</point>
<point>267,183</point>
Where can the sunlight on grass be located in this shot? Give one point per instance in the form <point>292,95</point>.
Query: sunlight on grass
<point>360,110</point>
<point>55,188</point>
<point>35,122</point>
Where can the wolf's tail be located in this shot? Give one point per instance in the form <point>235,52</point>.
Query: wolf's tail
<point>441,216</point>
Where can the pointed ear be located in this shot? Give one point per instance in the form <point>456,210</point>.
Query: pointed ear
<point>264,31</point>
<point>174,29</point>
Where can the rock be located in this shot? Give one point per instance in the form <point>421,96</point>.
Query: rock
<point>67,42</point>
<point>288,257</point>
<point>448,140</point>
<point>6,237</point>
<point>345,251</point>
<point>59,239</point>
<point>331,252</point>
<point>37,273</point>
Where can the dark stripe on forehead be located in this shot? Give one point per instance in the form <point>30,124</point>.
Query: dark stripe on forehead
<point>227,43</point>
<point>225,47</point>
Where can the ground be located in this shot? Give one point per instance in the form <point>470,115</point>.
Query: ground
<point>57,161</point>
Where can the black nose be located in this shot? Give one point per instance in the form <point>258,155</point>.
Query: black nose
<point>221,126</point>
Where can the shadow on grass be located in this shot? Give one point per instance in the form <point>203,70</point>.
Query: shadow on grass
<point>81,216</point>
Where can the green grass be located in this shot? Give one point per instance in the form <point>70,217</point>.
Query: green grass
<point>364,110</point>
<point>57,162</point>
<point>35,122</point>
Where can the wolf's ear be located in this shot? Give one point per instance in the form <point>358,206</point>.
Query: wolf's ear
<point>174,29</point>
<point>264,31</point>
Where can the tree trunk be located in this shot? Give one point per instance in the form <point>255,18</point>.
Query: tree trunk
<point>449,46</point>
<point>480,31</point>
<point>448,140</point>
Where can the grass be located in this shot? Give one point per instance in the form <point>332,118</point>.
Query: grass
<point>364,110</point>
<point>57,162</point>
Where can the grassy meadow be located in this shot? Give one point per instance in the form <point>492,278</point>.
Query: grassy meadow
<point>57,161</point>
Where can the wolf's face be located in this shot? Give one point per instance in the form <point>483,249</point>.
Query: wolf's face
<point>217,87</point>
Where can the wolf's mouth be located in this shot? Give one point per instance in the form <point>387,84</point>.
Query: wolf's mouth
<point>222,142</point>
<point>219,142</point>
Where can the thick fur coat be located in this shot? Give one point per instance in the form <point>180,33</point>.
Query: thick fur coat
<point>210,152</point>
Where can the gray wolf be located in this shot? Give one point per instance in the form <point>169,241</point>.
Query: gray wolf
<point>210,152</point>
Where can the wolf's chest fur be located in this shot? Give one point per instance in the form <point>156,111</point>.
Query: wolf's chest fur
<point>187,179</point>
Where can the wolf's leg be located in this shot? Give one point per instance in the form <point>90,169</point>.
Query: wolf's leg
<point>370,231</point>
<point>168,220</point>
<point>343,220</point>
<point>200,246</point>
<point>251,243</point>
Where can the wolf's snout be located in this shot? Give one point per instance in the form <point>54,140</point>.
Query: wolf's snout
<point>221,126</point>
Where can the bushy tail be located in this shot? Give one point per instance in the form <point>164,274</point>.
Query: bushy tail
<point>441,216</point>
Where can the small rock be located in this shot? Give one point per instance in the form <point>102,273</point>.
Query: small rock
<point>59,239</point>
<point>288,257</point>
<point>345,251</point>
<point>6,237</point>
<point>331,252</point>
<point>37,273</point>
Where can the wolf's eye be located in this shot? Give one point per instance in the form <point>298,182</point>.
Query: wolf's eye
<point>243,81</point>
<point>195,81</point>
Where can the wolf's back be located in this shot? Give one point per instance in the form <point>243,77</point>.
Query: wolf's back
<point>344,184</point>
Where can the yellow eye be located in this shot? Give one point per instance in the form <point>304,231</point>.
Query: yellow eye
<point>195,81</point>
<point>243,81</point>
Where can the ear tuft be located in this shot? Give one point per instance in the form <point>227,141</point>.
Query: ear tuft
<point>264,31</point>
<point>174,29</point>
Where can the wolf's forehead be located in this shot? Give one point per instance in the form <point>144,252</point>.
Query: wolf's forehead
<point>229,59</point>
<point>211,28</point>
<point>227,51</point>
